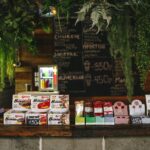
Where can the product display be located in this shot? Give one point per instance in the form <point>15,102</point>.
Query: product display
<point>90,120</point>
<point>147,97</point>
<point>109,120</point>
<point>79,113</point>
<point>58,118</point>
<point>98,108</point>
<point>21,102</point>
<point>13,117</point>
<point>33,108</point>
<point>108,109</point>
<point>99,120</point>
<point>59,103</point>
<point>88,110</point>
<point>36,118</point>
<point>40,103</point>
<point>121,113</point>
<point>137,108</point>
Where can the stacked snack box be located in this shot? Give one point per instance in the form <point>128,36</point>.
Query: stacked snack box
<point>36,118</point>
<point>16,115</point>
<point>13,117</point>
<point>93,113</point>
<point>40,104</point>
<point>37,109</point>
<point>59,110</point>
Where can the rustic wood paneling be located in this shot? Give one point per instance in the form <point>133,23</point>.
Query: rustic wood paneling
<point>30,62</point>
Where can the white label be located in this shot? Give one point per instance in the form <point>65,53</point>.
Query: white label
<point>98,110</point>
<point>88,109</point>
<point>108,109</point>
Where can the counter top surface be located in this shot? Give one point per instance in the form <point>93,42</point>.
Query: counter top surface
<point>74,131</point>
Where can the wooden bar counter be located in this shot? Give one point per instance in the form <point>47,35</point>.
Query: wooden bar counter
<point>73,131</point>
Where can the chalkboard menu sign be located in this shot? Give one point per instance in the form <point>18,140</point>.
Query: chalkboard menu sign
<point>68,55</point>
<point>85,66</point>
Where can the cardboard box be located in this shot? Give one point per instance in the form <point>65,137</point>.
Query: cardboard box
<point>36,118</point>
<point>109,121</point>
<point>136,120</point>
<point>120,109</point>
<point>21,102</point>
<point>58,119</point>
<point>40,103</point>
<point>145,120</point>
<point>90,120</point>
<point>99,120</point>
<point>13,117</point>
<point>79,120</point>
<point>147,105</point>
<point>122,119</point>
<point>59,103</point>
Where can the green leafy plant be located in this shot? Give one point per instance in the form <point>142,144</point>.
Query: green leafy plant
<point>18,22</point>
<point>128,26</point>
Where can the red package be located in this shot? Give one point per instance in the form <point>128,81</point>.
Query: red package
<point>98,108</point>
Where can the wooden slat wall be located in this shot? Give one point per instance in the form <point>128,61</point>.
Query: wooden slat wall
<point>29,62</point>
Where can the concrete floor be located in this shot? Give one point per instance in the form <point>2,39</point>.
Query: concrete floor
<point>122,143</point>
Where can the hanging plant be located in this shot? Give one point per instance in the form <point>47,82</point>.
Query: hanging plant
<point>117,18</point>
<point>18,22</point>
<point>143,41</point>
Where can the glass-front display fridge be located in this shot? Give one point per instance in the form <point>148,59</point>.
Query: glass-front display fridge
<point>48,77</point>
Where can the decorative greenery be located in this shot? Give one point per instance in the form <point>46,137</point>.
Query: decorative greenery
<point>18,21</point>
<point>128,26</point>
<point>143,41</point>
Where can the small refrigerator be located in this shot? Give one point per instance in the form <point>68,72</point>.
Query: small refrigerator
<point>48,77</point>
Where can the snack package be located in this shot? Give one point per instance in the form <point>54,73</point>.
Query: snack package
<point>120,109</point>
<point>109,121</point>
<point>79,113</point>
<point>90,120</point>
<point>59,103</point>
<point>122,119</point>
<point>136,108</point>
<point>40,103</point>
<point>98,108</point>
<point>147,97</point>
<point>36,118</point>
<point>99,120</point>
<point>21,102</point>
<point>79,108</point>
<point>88,109</point>
<point>13,117</point>
<point>58,118</point>
<point>108,109</point>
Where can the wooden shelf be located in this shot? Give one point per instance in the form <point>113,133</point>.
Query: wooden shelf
<point>74,131</point>
<point>35,131</point>
<point>111,131</point>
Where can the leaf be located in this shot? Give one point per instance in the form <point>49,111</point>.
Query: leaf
<point>83,11</point>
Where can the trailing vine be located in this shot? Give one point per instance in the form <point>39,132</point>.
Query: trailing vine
<point>121,47</point>
<point>143,42</point>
